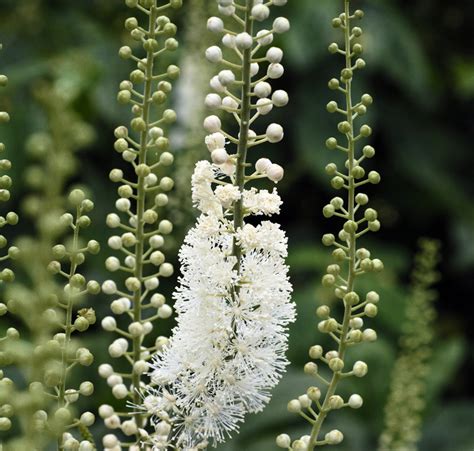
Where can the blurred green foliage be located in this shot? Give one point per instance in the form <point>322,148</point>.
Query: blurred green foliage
<point>420,69</point>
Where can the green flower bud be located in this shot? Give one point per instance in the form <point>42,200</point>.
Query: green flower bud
<point>359,14</point>
<point>346,74</point>
<point>337,182</point>
<point>365,131</point>
<point>176,3</point>
<point>374,226</point>
<point>339,255</point>
<point>362,199</point>
<point>171,44</point>
<point>333,48</point>
<point>93,247</point>
<point>93,287</point>
<point>333,84</point>
<point>378,265</point>
<point>158,97</point>
<point>131,23</point>
<point>328,239</point>
<point>328,280</point>
<point>124,97</point>
<point>331,143</point>
<point>54,267</point>
<point>166,159</point>
<point>81,324</point>
<point>138,124</point>
<point>173,72</point>
<point>125,52</point>
<point>77,281</point>
<point>4,117</point>
<point>351,298</point>
<point>323,312</point>
<point>331,169</point>
<point>328,211</point>
<point>336,364</point>
<point>166,184</point>
<point>161,200</point>
<point>350,227</point>
<point>370,214</point>
<point>13,252</point>
<point>169,116</point>
<point>344,127</point>
<point>357,49</point>
<point>84,221</point>
<point>367,100</point>
<point>374,177</point>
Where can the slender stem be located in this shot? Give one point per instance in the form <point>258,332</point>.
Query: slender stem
<point>244,130</point>
<point>140,228</point>
<point>351,242</point>
<point>68,330</point>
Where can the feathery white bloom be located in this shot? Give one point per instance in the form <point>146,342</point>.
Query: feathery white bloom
<point>228,349</point>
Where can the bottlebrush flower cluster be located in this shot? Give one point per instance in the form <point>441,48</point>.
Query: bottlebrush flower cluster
<point>233,302</point>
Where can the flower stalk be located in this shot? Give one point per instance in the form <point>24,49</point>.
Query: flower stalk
<point>140,241</point>
<point>243,312</point>
<point>351,261</point>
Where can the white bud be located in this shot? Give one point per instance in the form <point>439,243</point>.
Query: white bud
<point>334,437</point>
<point>215,24</point>
<point>274,133</point>
<point>151,179</point>
<point>115,242</point>
<point>147,327</point>
<point>122,204</point>
<point>105,370</point>
<point>106,411</point>
<point>112,422</point>
<point>369,335</point>
<point>281,25</point>
<point>140,367</point>
<point>226,77</point>
<point>120,391</point>
<point>275,70</point>
<point>275,173</point>
<point>228,168</point>
<point>213,101</point>
<point>214,54</point>
<point>157,300</point>
<point>254,69</point>
<point>283,440</point>
<point>113,220</point>
<point>156,132</point>
<point>216,84</point>
<point>165,311</point>
<point>229,102</point>
<point>87,419</point>
<point>262,89</point>
<point>156,241</point>
<point>355,402</point>
<point>280,98</point>
<point>85,445</point>
<point>112,264</point>
<point>264,37</point>
<point>109,324</point>
<point>264,106</point>
<point>356,323</point>
<point>262,165</point>
<point>152,284</point>
<point>109,287</point>
<point>360,368</point>
<point>304,401</point>
<point>226,10</point>
<point>130,261</point>
<point>114,379</point>
<point>110,440</point>
<point>229,41</point>
<point>212,124</point>
<point>243,41</point>
<point>219,156</point>
<point>260,12</point>
<point>129,427</point>
<point>274,55</point>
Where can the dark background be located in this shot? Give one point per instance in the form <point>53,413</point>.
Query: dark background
<point>420,71</point>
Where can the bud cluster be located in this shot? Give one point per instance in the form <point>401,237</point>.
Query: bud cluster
<point>350,260</point>
<point>62,353</point>
<point>408,388</point>
<point>141,228</point>
<point>6,275</point>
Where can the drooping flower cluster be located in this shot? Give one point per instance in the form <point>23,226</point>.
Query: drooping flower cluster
<point>233,302</point>
<point>350,260</point>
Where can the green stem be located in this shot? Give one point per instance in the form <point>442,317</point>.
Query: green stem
<point>244,130</point>
<point>140,228</point>
<point>352,238</point>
